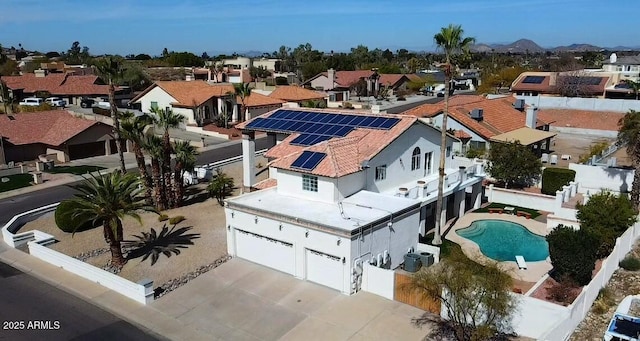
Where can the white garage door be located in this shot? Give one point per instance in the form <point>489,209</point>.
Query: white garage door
<point>325,269</point>
<point>265,251</point>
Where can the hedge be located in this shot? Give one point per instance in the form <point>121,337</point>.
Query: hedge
<point>65,222</point>
<point>554,178</point>
<point>572,253</point>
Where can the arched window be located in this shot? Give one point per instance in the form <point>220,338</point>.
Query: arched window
<point>415,159</point>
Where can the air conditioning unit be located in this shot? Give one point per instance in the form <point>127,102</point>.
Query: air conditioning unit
<point>477,114</point>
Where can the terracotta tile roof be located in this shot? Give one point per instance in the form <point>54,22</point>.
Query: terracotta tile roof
<point>291,93</point>
<point>259,100</point>
<point>585,119</point>
<point>499,115</point>
<point>49,127</point>
<point>346,79</point>
<point>264,184</point>
<point>551,81</point>
<point>189,93</point>
<point>461,134</point>
<point>545,86</point>
<point>284,148</point>
<point>58,84</point>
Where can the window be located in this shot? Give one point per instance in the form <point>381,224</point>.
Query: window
<point>154,105</point>
<point>448,151</point>
<point>415,159</point>
<point>309,183</point>
<point>381,172</point>
<point>477,145</point>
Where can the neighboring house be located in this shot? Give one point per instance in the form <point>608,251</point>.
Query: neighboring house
<point>478,121</point>
<point>583,83</point>
<point>344,188</point>
<point>341,85</point>
<point>26,136</point>
<point>628,67</point>
<point>65,85</point>
<point>297,95</point>
<point>257,104</point>
<point>198,101</point>
<point>582,122</point>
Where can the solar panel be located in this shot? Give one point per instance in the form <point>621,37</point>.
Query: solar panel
<point>335,119</point>
<point>279,114</point>
<point>308,160</point>
<point>533,79</point>
<point>377,122</point>
<point>357,120</point>
<point>343,131</point>
<point>309,139</point>
<point>255,123</point>
<point>388,123</point>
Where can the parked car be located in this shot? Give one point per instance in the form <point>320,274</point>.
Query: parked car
<point>56,102</point>
<point>87,102</point>
<point>32,101</point>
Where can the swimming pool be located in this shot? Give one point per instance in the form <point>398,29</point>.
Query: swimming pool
<point>503,240</point>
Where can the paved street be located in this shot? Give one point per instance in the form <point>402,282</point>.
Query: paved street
<point>26,300</point>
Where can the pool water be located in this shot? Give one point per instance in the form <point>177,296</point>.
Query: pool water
<point>503,240</point>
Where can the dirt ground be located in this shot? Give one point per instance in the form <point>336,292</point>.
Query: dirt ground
<point>205,218</point>
<point>576,145</point>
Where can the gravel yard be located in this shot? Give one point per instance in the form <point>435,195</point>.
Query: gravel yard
<point>205,218</point>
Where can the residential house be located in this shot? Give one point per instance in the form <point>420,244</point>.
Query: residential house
<point>478,121</point>
<point>568,84</point>
<point>344,188</point>
<point>341,85</point>
<point>198,101</point>
<point>257,104</point>
<point>65,85</point>
<point>58,133</point>
<point>295,95</point>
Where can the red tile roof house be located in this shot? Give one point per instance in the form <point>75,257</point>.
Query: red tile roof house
<point>28,135</point>
<point>294,96</point>
<point>64,85</point>
<point>342,85</point>
<point>533,83</point>
<point>360,197</point>
<point>478,121</point>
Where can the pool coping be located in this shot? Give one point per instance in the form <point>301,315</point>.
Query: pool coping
<point>534,271</point>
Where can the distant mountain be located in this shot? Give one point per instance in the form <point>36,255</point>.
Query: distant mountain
<point>526,45</point>
<point>577,48</point>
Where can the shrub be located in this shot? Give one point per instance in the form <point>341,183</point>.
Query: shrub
<point>176,220</point>
<point>630,263</point>
<point>347,105</point>
<point>101,111</point>
<point>554,178</point>
<point>163,217</point>
<point>68,223</point>
<point>282,81</point>
<point>573,253</point>
<point>604,301</point>
<point>473,153</point>
<point>33,108</point>
<point>563,291</point>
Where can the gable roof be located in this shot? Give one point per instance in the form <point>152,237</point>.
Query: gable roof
<point>292,93</point>
<point>585,119</point>
<point>49,127</point>
<point>259,100</point>
<point>551,81</point>
<point>58,84</point>
<point>499,115</point>
<point>189,93</point>
<point>347,79</point>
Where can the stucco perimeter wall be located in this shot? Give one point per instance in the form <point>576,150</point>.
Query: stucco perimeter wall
<point>378,281</point>
<point>593,179</point>
<point>595,104</point>
<point>534,201</point>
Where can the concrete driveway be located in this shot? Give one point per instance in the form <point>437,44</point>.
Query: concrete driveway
<point>244,301</point>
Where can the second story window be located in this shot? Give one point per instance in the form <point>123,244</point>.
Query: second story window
<point>381,172</point>
<point>309,183</point>
<point>154,105</point>
<point>415,159</point>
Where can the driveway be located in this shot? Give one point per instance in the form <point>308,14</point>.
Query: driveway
<point>240,300</point>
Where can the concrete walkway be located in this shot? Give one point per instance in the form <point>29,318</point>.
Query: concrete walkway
<point>242,301</point>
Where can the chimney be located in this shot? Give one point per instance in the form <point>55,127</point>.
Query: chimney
<point>40,73</point>
<point>477,114</point>
<point>553,79</point>
<point>520,105</point>
<point>532,117</point>
<point>331,74</point>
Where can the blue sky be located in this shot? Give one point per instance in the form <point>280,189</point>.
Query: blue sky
<point>147,26</point>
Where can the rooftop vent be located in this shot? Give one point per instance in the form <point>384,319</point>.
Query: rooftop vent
<point>520,104</point>
<point>477,114</point>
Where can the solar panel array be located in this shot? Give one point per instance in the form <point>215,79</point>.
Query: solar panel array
<point>308,160</point>
<point>533,79</point>
<point>580,80</point>
<point>316,127</point>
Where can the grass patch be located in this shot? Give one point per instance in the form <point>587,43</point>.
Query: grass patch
<point>16,181</point>
<point>446,248</point>
<point>534,213</point>
<point>76,170</point>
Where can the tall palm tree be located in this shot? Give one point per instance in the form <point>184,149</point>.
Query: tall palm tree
<point>185,161</point>
<point>132,129</point>
<point>243,91</point>
<point>110,69</point>
<point>153,145</point>
<point>629,135</point>
<point>167,119</point>
<point>108,199</point>
<point>450,39</point>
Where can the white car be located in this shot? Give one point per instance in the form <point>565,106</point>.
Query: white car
<point>56,102</point>
<point>32,101</point>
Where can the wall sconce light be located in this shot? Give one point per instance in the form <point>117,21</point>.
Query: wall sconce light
<point>228,227</point>
<point>306,234</point>
<point>344,260</point>
<point>280,227</point>
<point>255,219</point>
<point>233,214</point>
<point>339,241</point>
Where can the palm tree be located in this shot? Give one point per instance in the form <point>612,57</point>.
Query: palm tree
<point>629,135</point>
<point>153,145</point>
<point>132,129</point>
<point>243,91</point>
<point>634,86</point>
<point>450,40</point>
<point>221,186</point>
<point>185,161</point>
<point>167,119</point>
<point>108,199</point>
<point>110,68</point>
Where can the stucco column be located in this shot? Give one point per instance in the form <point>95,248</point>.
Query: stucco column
<point>460,202</point>
<point>248,160</point>
<point>574,188</point>
<point>423,220</point>
<point>107,147</point>
<point>476,195</point>
<point>443,214</point>
<point>234,114</point>
<point>566,193</point>
<point>559,197</point>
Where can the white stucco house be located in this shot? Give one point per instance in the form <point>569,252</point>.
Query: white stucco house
<point>344,188</point>
<point>198,101</point>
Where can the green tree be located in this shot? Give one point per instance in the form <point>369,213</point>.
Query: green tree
<point>572,253</point>
<point>109,198</point>
<point>259,72</point>
<point>311,69</point>
<point>185,161</point>
<point>451,41</point>
<point>185,59</point>
<point>221,186</point>
<point>477,298</point>
<point>5,96</point>
<point>634,86</point>
<point>165,120</point>
<point>133,129</point>
<point>110,69</point>
<point>629,135</point>
<point>243,90</point>
<point>513,164</point>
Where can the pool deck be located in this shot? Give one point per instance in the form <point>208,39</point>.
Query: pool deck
<point>534,271</point>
